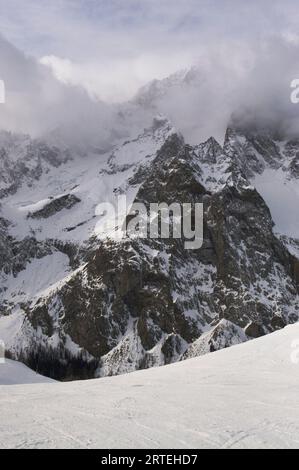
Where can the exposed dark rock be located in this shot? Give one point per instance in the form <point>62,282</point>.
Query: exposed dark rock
<point>254,330</point>
<point>66,201</point>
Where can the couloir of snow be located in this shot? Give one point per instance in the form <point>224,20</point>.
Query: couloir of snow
<point>245,396</point>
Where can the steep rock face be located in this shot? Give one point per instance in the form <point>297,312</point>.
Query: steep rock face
<point>253,151</point>
<point>258,150</point>
<point>23,159</point>
<point>143,302</point>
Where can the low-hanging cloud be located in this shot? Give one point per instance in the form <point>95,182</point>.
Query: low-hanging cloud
<point>38,104</point>
<point>247,85</point>
<point>78,79</point>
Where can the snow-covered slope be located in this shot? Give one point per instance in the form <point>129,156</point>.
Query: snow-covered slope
<point>15,373</point>
<point>282,195</point>
<point>245,396</point>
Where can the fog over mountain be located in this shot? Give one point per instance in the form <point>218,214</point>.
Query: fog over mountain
<point>38,104</point>
<point>249,82</point>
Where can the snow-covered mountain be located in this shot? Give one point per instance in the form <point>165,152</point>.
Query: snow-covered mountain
<point>245,396</point>
<point>77,302</point>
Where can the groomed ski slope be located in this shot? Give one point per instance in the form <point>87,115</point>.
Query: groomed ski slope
<point>242,397</point>
<point>15,373</point>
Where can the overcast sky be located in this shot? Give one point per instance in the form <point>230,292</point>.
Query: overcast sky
<point>247,54</point>
<point>114,46</point>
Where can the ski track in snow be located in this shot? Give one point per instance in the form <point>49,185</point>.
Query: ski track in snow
<point>245,396</point>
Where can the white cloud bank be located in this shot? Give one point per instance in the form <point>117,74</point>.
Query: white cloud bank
<point>113,47</point>
<point>87,52</point>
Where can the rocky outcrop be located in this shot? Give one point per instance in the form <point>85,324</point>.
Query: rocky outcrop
<point>223,335</point>
<point>66,201</point>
